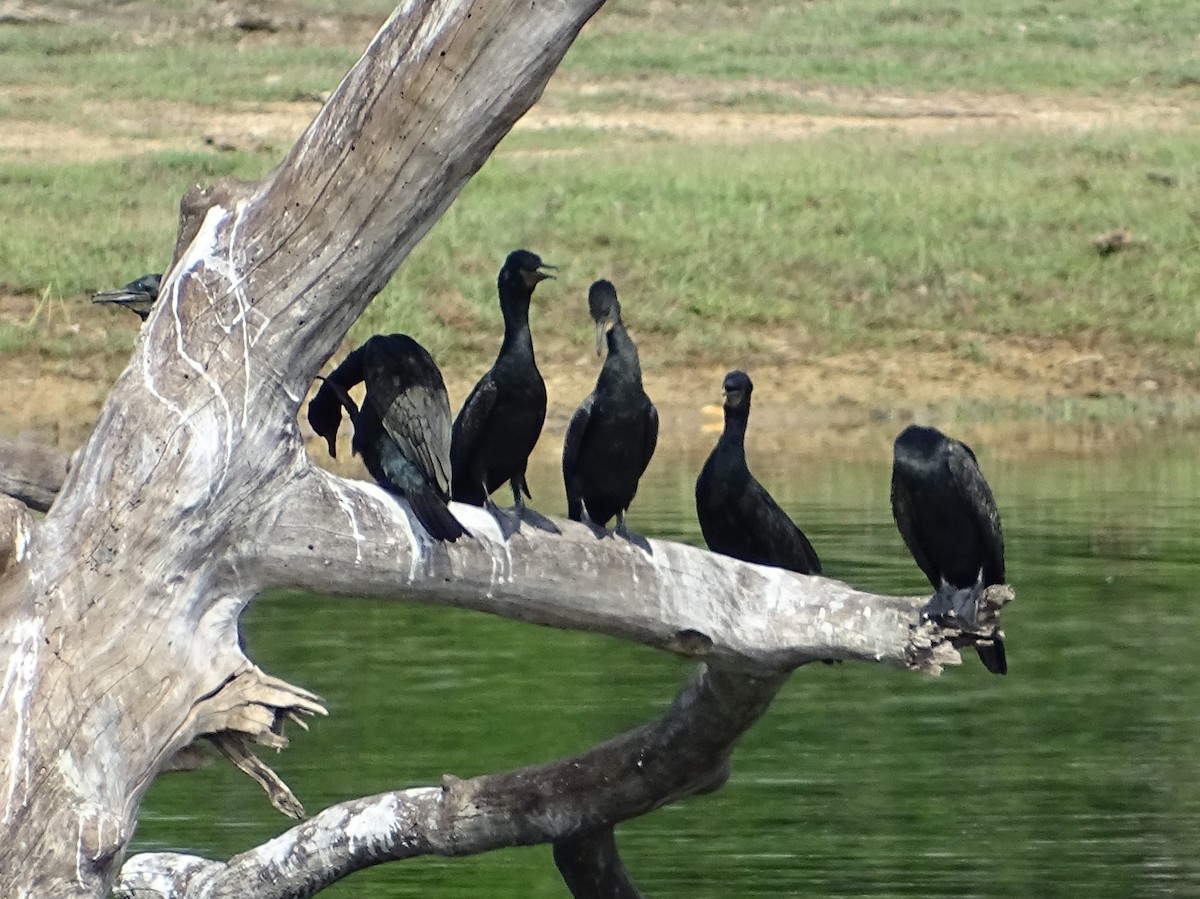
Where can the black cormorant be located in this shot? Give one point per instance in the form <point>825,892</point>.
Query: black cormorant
<point>612,434</point>
<point>737,516</point>
<point>402,431</point>
<point>137,296</point>
<point>948,519</point>
<point>500,422</point>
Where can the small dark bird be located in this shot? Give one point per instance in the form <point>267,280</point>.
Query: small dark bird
<point>738,517</point>
<point>499,424</point>
<point>402,431</point>
<point>613,433</point>
<point>948,519</point>
<point>137,296</point>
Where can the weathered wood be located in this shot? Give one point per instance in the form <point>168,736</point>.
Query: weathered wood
<point>31,472</point>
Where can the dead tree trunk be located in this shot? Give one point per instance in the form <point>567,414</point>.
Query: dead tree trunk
<point>119,610</point>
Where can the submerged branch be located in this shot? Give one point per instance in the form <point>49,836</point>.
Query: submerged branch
<point>591,867</point>
<point>564,802</point>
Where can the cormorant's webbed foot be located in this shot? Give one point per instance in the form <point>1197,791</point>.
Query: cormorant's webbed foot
<point>538,520</point>
<point>636,539</point>
<point>523,513</point>
<point>585,519</point>
<point>959,608</point>
<point>508,523</point>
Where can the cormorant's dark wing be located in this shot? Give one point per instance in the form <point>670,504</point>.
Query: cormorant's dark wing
<point>977,495</point>
<point>408,394</point>
<point>776,537</point>
<point>576,433</point>
<point>572,447</point>
<point>471,421</point>
<point>906,511</point>
<point>650,440</point>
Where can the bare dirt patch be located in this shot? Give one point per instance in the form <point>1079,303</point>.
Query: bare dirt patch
<point>123,128</point>
<point>1023,396</point>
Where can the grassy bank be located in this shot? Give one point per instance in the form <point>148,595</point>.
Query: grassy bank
<point>851,239</point>
<point>871,234</point>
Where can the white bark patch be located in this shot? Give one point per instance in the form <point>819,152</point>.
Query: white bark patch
<point>373,828</point>
<point>22,539</point>
<point>19,680</point>
<point>346,503</point>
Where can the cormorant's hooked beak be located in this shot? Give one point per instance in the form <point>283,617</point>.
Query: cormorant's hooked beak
<point>138,296</point>
<point>135,301</point>
<point>601,330</point>
<point>732,398</point>
<point>533,277</point>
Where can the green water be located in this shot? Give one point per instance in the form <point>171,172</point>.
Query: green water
<point>1077,775</point>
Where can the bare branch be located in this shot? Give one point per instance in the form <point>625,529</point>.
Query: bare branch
<point>560,802</point>
<point>331,535</point>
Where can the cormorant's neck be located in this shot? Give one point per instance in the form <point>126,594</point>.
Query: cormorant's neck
<point>735,426</point>
<point>622,360</point>
<point>517,338</point>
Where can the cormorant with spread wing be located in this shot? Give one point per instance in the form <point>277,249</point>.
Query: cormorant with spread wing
<point>499,424</point>
<point>738,517</point>
<point>612,434</point>
<point>948,519</point>
<point>402,431</point>
<point>138,296</point>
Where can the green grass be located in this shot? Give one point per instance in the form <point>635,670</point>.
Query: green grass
<point>973,44</point>
<point>853,238</point>
<point>1068,45</point>
<point>858,238</point>
<point>80,227</point>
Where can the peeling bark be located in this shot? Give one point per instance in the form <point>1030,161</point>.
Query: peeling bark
<point>118,612</point>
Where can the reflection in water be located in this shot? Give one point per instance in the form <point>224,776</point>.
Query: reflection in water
<point>1075,775</point>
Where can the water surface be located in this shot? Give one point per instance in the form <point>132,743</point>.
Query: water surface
<point>1075,775</point>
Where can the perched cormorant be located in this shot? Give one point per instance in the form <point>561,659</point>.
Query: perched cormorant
<point>737,516</point>
<point>137,296</point>
<point>500,422</point>
<point>612,434</point>
<point>948,519</point>
<point>402,431</point>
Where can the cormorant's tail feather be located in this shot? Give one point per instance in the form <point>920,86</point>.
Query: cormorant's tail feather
<point>435,516</point>
<point>991,653</point>
<point>574,508</point>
